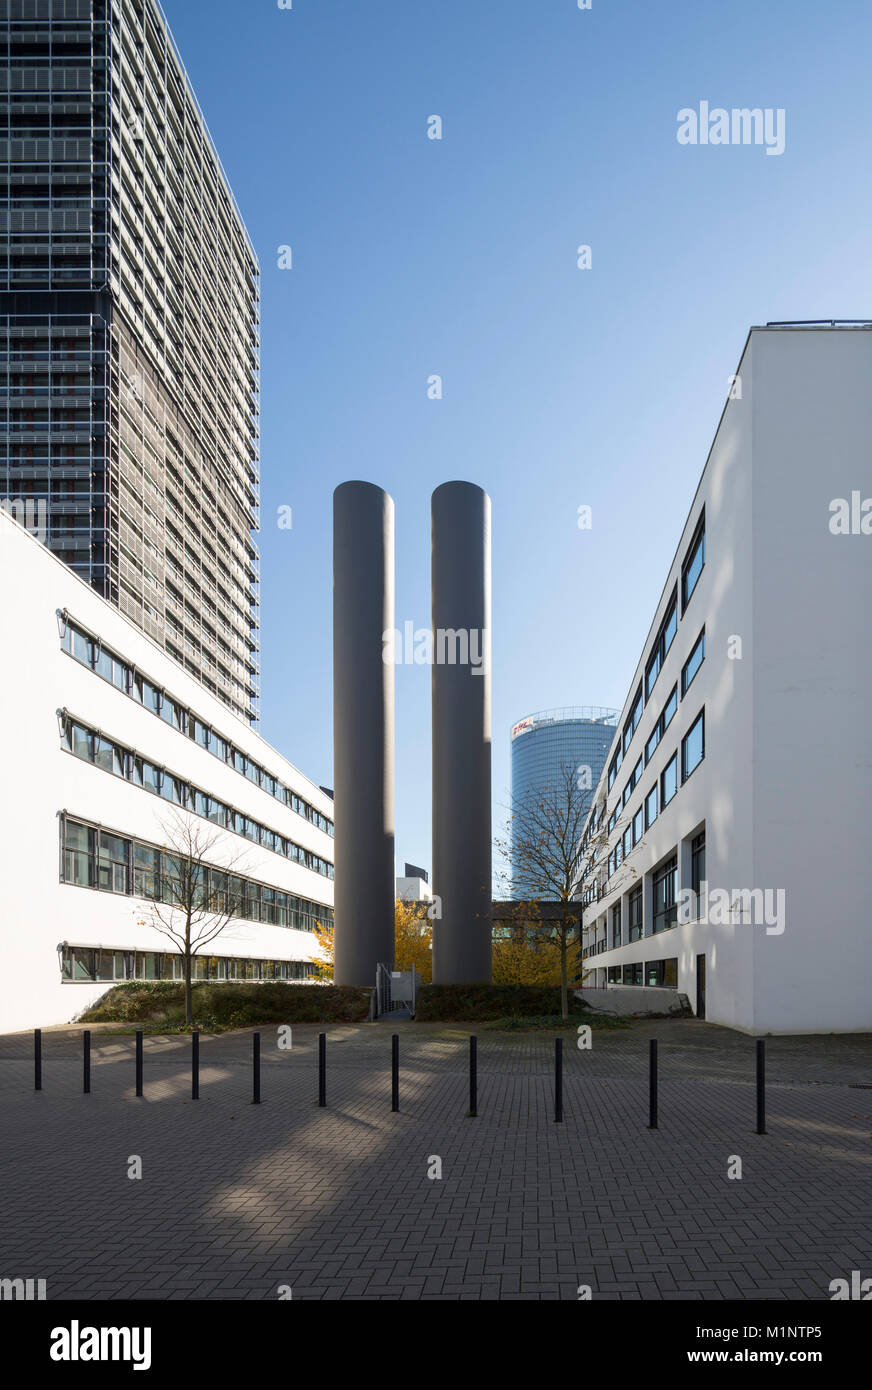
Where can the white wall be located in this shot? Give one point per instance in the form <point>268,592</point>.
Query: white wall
<point>813,678</point>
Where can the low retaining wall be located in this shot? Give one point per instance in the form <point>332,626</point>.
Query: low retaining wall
<point>638,1000</point>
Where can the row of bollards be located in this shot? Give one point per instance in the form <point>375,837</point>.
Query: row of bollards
<point>395,1073</point>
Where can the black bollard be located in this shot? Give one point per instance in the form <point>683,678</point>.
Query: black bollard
<point>255,1058</point>
<point>195,1065</point>
<point>395,1072</point>
<point>37,1059</point>
<point>139,1063</point>
<point>761,1086</point>
<point>322,1069</point>
<point>652,1084</point>
<point>558,1080</point>
<point>86,1062</point>
<point>473,1075</point>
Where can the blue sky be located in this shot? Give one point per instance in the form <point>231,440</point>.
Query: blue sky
<point>562,387</point>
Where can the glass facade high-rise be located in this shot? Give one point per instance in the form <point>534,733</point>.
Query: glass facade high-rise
<point>544,744</point>
<point>129,319</point>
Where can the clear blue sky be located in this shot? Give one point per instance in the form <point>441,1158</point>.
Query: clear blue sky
<point>562,387</point>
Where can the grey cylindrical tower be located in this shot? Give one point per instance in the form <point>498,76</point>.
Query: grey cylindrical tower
<point>461,614</point>
<point>363,731</point>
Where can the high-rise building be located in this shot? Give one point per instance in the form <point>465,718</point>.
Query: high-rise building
<point>129,294</point>
<point>545,744</point>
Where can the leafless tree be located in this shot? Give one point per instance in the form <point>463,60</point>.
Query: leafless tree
<point>193,901</point>
<point>554,860</point>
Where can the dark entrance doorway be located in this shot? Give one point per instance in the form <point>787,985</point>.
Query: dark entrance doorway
<point>700,986</point>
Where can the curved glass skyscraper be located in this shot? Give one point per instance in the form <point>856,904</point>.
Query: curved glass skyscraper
<point>543,744</point>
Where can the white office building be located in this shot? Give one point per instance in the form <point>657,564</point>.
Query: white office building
<point>110,745</point>
<point>729,835</point>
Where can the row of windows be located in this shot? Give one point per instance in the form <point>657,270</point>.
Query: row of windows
<point>83,963</point>
<point>692,754</point>
<point>649,972</point>
<point>91,652</point>
<point>94,747</point>
<point>93,857</point>
<point>691,569</point>
<point>665,891</point>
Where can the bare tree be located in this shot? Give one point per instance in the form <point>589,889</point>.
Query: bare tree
<point>556,861</point>
<point>193,901</point>
<point>544,845</point>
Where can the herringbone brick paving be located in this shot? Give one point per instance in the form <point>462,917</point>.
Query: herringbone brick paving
<point>237,1200</point>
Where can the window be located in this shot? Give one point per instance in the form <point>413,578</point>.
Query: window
<point>633,974</point>
<point>669,781</point>
<point>662,643</point>
<point>697,866</point>
<point>670,707</point>
<point>665,886</point>
<point>146,871</point>
<point>653,741</point>
<point>693,663</point>
<point>112,863</point>
<point>666,717</point>
<point>693,564</point>
<point>616,925</point>
<point>662,972</point>
<point>633,719</point>
<point>637,826</point>
<point>634,913</point>
<point>78,854</point>
<point>651,807</point>
<point>81,742</point>
<point>108,756</point>
<point>693,746</point>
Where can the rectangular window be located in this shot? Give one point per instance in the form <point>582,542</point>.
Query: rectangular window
<point>108,756</point>
<point>665,888</point>
<point>637,826</point>
<point>662,643</point>
<point>146,873</point>
<point>652,743</point>
<point>78,854</point>
<point>81,742</point>
<point>634,913</point>
<point>83,648</point>
<point>651,807</point>
<point>693,563</point>
<point>616,925</point>
<point>697,861</point>
<point>693,663</point>
<point>693,746</point>
<point>670,707</point>
<point>669,781</point>
<point>113,859</point>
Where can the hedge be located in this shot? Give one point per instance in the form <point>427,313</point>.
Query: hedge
<point>469,1003</point>
<point>229,1005</point>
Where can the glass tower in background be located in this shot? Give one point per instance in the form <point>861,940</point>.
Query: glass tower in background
<point>543,744</point>
<point>129,332</point>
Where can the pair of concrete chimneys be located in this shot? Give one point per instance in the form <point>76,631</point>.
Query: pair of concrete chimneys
<point>363,731</point>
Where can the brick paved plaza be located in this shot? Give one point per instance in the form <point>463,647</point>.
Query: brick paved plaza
<point>236,1200</point>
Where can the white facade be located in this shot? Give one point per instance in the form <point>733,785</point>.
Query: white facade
<point>46,691</point>
<point>413,890</point>
<point>782,794</point>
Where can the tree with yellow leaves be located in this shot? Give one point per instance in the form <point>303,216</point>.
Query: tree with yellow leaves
<point>413,940</point>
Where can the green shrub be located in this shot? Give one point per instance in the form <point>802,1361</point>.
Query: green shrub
<point>471,1003</point>
<point>229,1005</point>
